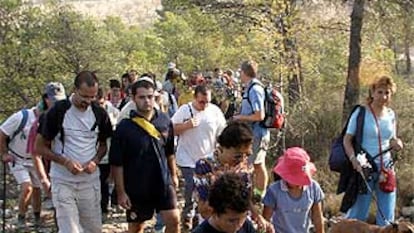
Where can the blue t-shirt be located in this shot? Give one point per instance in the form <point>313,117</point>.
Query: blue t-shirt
<point>292,215</point>
<point>370,132</point>
<point>256,96</point>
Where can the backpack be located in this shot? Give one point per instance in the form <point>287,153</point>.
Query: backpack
<point>273,106</point>
<point>172,105</point>
<point>337,155</point>
<point>63,106</point>
<point>21,126</point>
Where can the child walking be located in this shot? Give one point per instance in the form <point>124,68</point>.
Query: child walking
<point>294,201</point>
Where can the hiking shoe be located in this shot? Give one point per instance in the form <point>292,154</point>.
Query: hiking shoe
<point>37,221</point>
<point>21,222</point>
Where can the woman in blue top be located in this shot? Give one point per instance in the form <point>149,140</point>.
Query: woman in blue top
<point>379,134</point>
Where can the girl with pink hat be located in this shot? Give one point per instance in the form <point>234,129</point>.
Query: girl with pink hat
<point>294,201</point>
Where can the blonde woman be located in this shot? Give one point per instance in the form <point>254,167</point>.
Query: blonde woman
<point>379,134</point>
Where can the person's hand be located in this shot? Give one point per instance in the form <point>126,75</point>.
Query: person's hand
<point>193,122</point>
<point>263,225</point>
<point>6,158</point>
<point>90,167</point>
<point>73,166</point>
<point>175,181</point>
<point>236,117</point>
<point>46,186</point>
<point>355,163</point>
<point>123,200</point>
<point>396,144</point>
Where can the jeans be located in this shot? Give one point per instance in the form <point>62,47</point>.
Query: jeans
<point>188,173</point>
<point>385,203</point>
<point>77,205</point>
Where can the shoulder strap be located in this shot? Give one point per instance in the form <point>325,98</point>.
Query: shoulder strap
<point>360,126</point>
<point>97,111</point>
<point>62,106</point>
<point>170,99</point>
<point>349,118</point>
<point>191,110</point>
<point>23,122</point>
<point>248,91</point>
<point>147,126</point>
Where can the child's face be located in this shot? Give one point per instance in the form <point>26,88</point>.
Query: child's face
<point>293,186</point>
<point>233,156</point>
<point>230,221</point>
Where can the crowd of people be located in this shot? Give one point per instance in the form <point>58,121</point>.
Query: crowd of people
<point>142,135</point>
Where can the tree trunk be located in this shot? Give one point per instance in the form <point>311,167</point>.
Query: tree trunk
<point>291,56</point>
<point>352,88</point>
<point>407,44</point>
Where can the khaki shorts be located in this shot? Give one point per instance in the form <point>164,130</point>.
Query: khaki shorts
<point>25,172</point>
<point>260,146</point>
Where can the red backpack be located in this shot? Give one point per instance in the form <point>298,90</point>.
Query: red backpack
<point>273,104</point>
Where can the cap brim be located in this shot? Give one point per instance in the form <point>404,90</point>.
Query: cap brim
<point>57,98</point>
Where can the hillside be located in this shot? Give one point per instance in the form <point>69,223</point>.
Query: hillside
<point>141,12</point>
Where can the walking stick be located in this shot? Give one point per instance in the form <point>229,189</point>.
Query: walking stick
<point>4,196</point>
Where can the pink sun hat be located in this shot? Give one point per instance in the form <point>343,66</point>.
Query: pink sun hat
<point>295,167</point>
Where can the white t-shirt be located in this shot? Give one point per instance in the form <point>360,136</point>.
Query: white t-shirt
<point>19,144</point>
<point>199,142</point>
<point>125,111</point>
<point>79,143</point>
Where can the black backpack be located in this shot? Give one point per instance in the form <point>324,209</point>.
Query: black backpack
<point>62,107</point>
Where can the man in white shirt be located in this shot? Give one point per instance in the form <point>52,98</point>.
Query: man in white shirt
<point>197,124</point>
<point>20,161</point>
<point>73,136</point>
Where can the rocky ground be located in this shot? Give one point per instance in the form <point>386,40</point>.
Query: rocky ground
<point>114,222</point>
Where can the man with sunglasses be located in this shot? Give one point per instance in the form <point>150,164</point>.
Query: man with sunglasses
<point>73,136</point>
<point>197,124</point>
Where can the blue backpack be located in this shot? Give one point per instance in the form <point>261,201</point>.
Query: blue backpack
<point>337,155</point>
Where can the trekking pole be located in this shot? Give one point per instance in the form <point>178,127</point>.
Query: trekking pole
<point>4,197</point>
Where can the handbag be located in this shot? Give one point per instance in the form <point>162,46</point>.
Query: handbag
<point>337,155</point>
<point>387,180</point>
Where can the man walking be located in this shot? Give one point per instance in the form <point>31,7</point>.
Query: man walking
<point>73,136</point>
<point>143,163</point>
<point>198,125</point>
<point>253,112</point>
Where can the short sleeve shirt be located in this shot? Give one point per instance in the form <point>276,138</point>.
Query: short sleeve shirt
<point>207,170</point>
<point>132,149</point>
<point>370,144</point>
<point>292,215</point>
<point>253,101</point>
<point>80,136</point>
<point>206,227</point>
<point>9,127</point>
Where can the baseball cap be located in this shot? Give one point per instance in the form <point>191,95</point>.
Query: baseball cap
<point>55,91</point>
<point>171,65</point>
